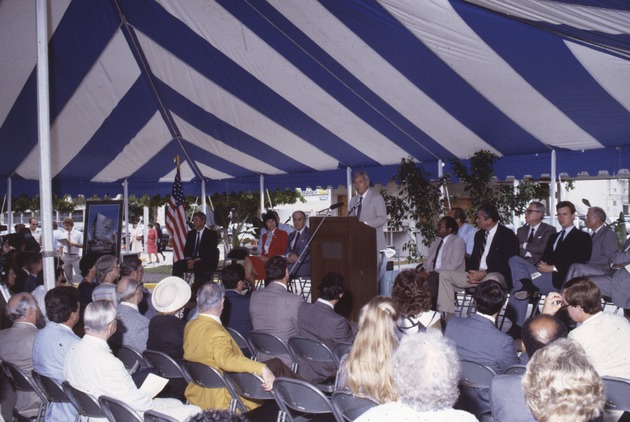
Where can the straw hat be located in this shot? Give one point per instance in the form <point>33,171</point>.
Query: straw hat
<point>170,295</point>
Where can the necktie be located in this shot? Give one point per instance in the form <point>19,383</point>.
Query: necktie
<point>484,240</point>
<point>562,233</point>
<point>69,243</point>
<point>359,207</point>
<point>531,236</point>
<point>295,242</point>
<point>437,252</point>
<point>196,252</point>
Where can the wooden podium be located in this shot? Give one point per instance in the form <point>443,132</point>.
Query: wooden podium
<point>347,246</point>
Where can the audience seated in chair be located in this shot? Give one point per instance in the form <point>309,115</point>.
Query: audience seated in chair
<point>236,307</point>
<point>206,341</point>
<point>133,327</point>
<point>366,370</point>
<point>53,342</point>
<point>479,340</point>
<point>508,397</point>
<point>319,322</point>
<point>411,293</point>
<point>429,357</point>
<point>561,384</point>
<point>16,347</point>
<point>90,367</point>
<point>107,274</point>
<point>274,309</point>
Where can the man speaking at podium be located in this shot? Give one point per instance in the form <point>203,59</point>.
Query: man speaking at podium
<point>369,207</point>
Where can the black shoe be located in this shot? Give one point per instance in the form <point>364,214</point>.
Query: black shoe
<point>514,332</point>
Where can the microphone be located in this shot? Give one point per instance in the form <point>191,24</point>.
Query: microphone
<point>332,207</point>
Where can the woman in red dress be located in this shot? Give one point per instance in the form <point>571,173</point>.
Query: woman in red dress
<point>152,244</point>
<point>274,242</point>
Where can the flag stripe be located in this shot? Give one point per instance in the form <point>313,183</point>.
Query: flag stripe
<point>176,219</point>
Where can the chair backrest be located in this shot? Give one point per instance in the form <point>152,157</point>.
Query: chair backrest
<point>475,375</point>
<point>21,381</point>
<point>350,406</point>
<point>272,345</point>
<point>208,377</point>
<point>312,351</point>
<point>154,416</point>
<point>515,370</point>
<point>301,397</point>
<point>131,358</point>
<point>617,393</point>
<point>118,411</point>
<point>248,385</point>
<point>242,342</point>
<point>85,403</point>
<point>341,349</point>
<point>51,388</point>
<point>164,364</point>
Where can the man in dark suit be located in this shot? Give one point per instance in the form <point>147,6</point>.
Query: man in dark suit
<point>534,235</point>
<point>567,247</point>
<point>201,251</point>
<point>479,340</point>
<point>495,244</point>
<point>318,321</point>
<point>298,239</point>
<point>235,313</point>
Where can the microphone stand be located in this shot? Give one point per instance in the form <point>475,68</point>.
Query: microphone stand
<point>297,263</point>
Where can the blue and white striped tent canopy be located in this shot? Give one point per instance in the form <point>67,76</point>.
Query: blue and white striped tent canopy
<point>300,90</point>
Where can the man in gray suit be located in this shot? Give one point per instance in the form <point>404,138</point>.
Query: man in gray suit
<point>16,347</point>
<point>369,207</point>
<point>446,253</point>
<point>319,322</point>
<point>479,340</point>
<point>604,245</point>
<point>616,284</point>
<point>533,236</point>
<point>133,327</point>
<point>506,392</point>
<point>274,309</point>
<point>298,239</point>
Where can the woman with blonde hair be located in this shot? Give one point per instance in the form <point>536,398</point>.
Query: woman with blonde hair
<point>367,369</point>
<point>411,293</point>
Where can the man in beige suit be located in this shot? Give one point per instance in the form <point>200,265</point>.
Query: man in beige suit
<point>16,346</point>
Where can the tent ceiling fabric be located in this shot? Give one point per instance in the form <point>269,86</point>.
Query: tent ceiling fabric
<point>299,90</point>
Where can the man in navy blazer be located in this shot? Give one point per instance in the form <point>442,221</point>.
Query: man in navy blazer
<point>235,313</point>
<point>319,321</point>
<point>567,247</point>
<point>478,339</point>
<point>298,239</point>
<point>495,244</point>
<point>201,256</point>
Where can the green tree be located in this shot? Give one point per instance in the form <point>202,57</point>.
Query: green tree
<point>419,200</point>
<point>481,189</point>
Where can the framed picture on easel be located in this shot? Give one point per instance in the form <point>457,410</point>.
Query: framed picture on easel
<point>103,228</point>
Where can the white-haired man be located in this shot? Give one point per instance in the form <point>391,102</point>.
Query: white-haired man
<point>207,342</point>
<point>429,357</point>
<point>133,328</point>
<point>16,345</point>
<point>91,367</point>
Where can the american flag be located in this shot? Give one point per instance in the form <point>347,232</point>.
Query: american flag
<point>176,219</point>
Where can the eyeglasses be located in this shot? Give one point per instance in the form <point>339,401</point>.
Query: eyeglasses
<point>531,211</point>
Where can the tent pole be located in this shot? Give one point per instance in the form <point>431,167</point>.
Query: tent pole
<point>43,120</point>
<point>204,207</point>
<point>9,206</point>
<point>552,189</point>
<point>262,195</point>
<point>349,184</point>
<point>515,187</point>
<point>126,209</point>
